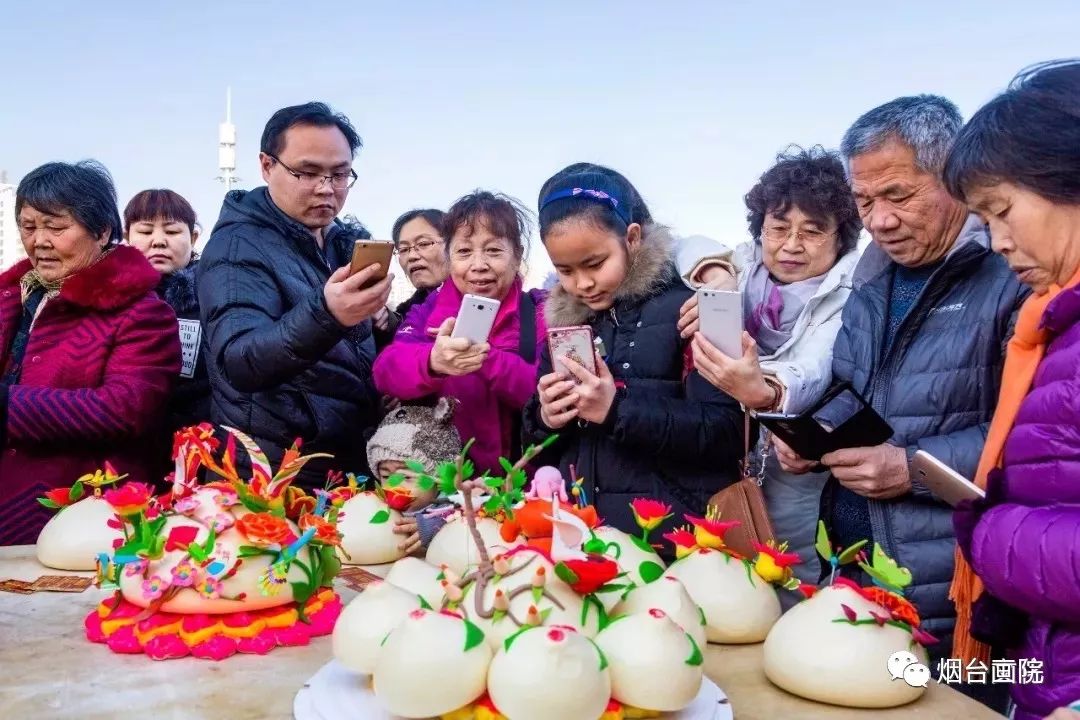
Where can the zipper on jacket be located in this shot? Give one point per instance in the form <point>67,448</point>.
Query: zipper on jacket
<point>614,317</point>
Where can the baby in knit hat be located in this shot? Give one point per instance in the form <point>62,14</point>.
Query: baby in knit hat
<point>428,436</point>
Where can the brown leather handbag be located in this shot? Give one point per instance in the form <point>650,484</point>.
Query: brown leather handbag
<point>744,501</point>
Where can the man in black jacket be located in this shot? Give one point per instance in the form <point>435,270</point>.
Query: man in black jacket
<point>288,329</point>
<point>923,340</point>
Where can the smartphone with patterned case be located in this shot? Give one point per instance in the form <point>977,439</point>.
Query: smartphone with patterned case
<point>574,342</point>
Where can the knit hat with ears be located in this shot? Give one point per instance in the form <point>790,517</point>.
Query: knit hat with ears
<point>425,434</point>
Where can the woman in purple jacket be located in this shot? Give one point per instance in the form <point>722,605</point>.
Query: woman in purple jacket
<point>1017,164</point>
<point>491,381</point>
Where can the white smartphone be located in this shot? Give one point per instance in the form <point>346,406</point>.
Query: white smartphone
<point>475,318</point>
<point>942,480</point>
<point>720,319</point>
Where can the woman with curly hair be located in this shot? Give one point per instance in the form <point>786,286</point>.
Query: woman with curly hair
<point>795,279</point>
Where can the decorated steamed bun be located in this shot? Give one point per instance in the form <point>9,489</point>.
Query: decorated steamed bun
<point>810,654</point>
<point>75,536</point>
<point>453,544</point>
<point>431,664</point>
<point>739,606</point>
<point>367,528</point>
<point>417,577</point>
<point>669,595</point>
<point>643,565</point>
<point>549,672</point>
<point>366,621</point>
<point>654,664</point>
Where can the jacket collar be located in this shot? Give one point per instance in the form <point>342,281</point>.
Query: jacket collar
<point>117,280</point>
<point>874,260</point>
<point>178,289</point>
<point>651,271</point>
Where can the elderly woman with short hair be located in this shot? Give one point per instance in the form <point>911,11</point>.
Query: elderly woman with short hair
<point>88,352</point>
<point>1017,164</point>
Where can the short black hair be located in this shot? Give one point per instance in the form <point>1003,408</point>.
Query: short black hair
<point>1028,136</point>
<point>433,217</point>
<point>85,189</point>
<point>311,113</point>
<point>502,215</point>
<point>812,180</point>
<point>159,204</point>
<point>607,198</point>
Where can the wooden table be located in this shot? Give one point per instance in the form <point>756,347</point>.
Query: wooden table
<point>48,669</point>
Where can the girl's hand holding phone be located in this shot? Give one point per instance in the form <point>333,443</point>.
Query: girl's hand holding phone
<point>455,356</point>
<point>596,393</point>
<point>558,400</point>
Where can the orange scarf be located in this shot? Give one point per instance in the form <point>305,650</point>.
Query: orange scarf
<point>1022,357</point>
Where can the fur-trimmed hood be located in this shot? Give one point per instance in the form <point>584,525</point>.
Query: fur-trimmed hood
<point>115,281</point>
<point>652,269</point>
<point>178,289</point>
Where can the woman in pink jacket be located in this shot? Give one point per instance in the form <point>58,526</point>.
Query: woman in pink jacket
<point>491,381</point>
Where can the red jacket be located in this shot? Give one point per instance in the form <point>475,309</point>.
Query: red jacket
<point>97,373</point>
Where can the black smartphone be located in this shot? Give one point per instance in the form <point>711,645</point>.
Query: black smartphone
<point>841,419</point>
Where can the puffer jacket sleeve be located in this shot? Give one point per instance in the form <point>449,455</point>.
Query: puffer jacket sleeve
<point>402,370</point>
<point>256,343</point>
<point>959,450</point>
<point>1029,557</point>
<point>706,423</point>
<point>695,253</point>
<point>134,390</point>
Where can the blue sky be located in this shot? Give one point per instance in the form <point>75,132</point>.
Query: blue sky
<point>690,100</point>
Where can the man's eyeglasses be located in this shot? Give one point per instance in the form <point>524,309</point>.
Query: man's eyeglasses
<point>310,181</point>
<point>421,246</point>
<point>809,236</point>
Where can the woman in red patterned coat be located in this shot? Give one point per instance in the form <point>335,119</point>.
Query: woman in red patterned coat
<point>88,352</point>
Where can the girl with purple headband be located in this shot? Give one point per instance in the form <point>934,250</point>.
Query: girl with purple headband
<point>643,425</point>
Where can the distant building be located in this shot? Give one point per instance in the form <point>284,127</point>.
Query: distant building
<point>11,249</point>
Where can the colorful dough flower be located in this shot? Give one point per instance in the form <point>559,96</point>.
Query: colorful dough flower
<point>649,514</point>
<point>265,528</point>
<point>326,533</point>
<point>709,531</point>
<point>130,499</point>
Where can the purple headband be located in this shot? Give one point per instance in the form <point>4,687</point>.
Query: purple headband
<point>597,195</point>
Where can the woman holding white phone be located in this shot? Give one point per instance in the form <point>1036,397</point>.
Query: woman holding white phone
<point>794,279</point>
<point>492,380</point>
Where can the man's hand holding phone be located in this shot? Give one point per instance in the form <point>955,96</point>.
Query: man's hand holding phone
<point>455,356</point>
<point>790,460</point>
<point>348,301</point>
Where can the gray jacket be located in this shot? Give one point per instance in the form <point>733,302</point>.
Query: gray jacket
<point>937,385</point>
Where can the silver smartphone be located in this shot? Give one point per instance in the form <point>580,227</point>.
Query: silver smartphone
<point>942,480</point>
<point>475,318</point>
<point>720,319</point>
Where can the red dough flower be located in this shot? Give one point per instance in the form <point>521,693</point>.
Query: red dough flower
<point>648,514</point>
<point>180,537</point>
<point>398,499</point>
<point>265,529</point>
<point>588,575</point>
<point>709,531</point>
<point>60,497</point>
<point>683,540</point>
<point>130,499</point>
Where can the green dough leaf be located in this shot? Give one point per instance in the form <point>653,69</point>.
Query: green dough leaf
<point>650,571</point>
<point>537,593</point>
<point>544,615</point>
<point>380,517</point>
<point>695,658</point>
<point>395,480</point>
<point>423,603</point>
<point>75,492</point>
<point>701,612</point>
<point>48,503</point>
<point>603,658</point>
<point>510,640</point>
<point>467,470</point>
<point>415,466</point>
<point>425,483</point>
<point>565,574</point>
<point>822,545</point>
<point>548,442</point>
<point>642,545</point>
<point>473,636</point>
<point>507,466</point>
<point>494,482</point>
<point>849,554</point>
